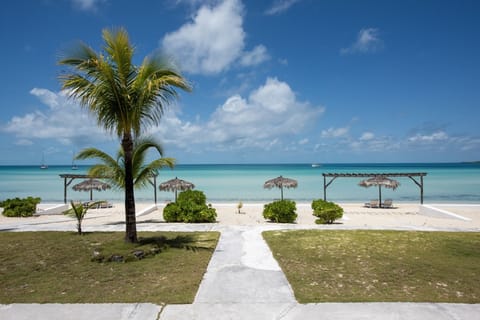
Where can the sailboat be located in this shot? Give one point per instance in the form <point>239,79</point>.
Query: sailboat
<point>74,166</point>
<point>43,165</point>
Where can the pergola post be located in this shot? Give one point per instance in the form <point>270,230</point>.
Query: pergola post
<point>325,185</point>
<point>155,188</point>
<point>421,189</point>
<point>154,185</point>
<point>65,190</point>
<point>324,188</point>
<point>65,185</point>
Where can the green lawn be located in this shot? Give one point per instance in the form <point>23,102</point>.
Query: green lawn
<point>47,267</point>
<point>374,266</point>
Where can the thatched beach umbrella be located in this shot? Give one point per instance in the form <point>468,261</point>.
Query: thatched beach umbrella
<point>175,185</point>
<point>380,181</point>
<point>281,182</point>
<point>90,185</point>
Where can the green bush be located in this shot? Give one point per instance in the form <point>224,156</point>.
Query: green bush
<point>283,211</point>
<point>327,212</point>
<point>20,207</point>
<point>193,196</point>
<point>190,207</point>
<point>171,212</point>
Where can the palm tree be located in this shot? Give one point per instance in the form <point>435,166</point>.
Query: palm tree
<point>113,169</point>
<point>125,98</point>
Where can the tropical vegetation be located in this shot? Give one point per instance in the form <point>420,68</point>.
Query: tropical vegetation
<point>191,207</point>
<point>326,212</point>
<point>282,211</point>
<point>125,98</point>
<point>18,207</point>
<point>79,211</point>
<point>113,169</point>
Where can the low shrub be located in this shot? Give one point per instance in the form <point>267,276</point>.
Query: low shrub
<point>191,207</point>
<point>171,212</point>
<point>327,212</point>
<point>20,207</point>
<point>282,211</point>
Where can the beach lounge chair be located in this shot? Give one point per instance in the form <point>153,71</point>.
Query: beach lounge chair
<point>372,204</point>
<point>104,205</point>
<point>388,203</point>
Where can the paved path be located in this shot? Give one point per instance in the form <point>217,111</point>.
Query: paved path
<point>243,281</point>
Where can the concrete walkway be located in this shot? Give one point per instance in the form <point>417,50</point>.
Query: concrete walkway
<point>243,281</point>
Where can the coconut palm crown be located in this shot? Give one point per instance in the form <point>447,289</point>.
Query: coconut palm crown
<point>125,98</point>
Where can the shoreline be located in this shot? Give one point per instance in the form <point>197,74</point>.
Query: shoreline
<point>356,216</point>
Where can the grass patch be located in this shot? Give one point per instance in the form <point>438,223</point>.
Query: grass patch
<point>57,267</point>
<point>379,266</point>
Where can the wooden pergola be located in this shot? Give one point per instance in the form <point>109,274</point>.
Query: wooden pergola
<point>68,179</point>
<point>334,176</point>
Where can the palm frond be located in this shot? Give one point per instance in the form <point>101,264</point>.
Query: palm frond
<point>147,171</point>
<point>94,153</point>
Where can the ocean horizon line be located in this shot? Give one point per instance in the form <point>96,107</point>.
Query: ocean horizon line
<point>319,164</point>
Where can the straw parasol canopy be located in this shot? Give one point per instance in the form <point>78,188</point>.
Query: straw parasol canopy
<point>175,185</point>
<point>90,185</point>
<point>380,181</point>
<point>280,182</point>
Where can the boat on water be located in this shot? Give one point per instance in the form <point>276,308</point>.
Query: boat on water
<point>43,165</point>
<point>74,165</point>
<point>316,165</point>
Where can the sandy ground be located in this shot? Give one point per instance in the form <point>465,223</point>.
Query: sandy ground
<point>404,215</point>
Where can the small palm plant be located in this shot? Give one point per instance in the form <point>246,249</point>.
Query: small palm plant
<point>79,211</point>
<point>239,207</point>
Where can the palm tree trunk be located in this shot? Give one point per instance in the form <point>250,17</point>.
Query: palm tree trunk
<point>130,219</point>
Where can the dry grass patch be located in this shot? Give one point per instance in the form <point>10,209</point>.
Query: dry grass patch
<point>48,267</point>
<point>354,266</point>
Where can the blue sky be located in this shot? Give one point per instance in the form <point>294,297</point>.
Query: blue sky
<point>274,81</point>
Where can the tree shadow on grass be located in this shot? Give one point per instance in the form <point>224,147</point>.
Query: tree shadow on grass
<point>179,242</point>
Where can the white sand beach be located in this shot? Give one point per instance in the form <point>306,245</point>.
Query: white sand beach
<point>403,215</point>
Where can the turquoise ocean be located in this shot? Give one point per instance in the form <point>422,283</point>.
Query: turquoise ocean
<point>223,183</point>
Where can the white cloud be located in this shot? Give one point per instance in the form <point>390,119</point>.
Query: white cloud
<point>335,132</point>
<point>303,141</point>
<point>367,136</point>
<point>434,137</point>
<point>87,5</point>
<point>256,56</point>
<point>263,120</point>
<point>24,142</point>
<point>212,41</point>
<point>63,121</point>
<point>280,6</point>
<point>368,41</point>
